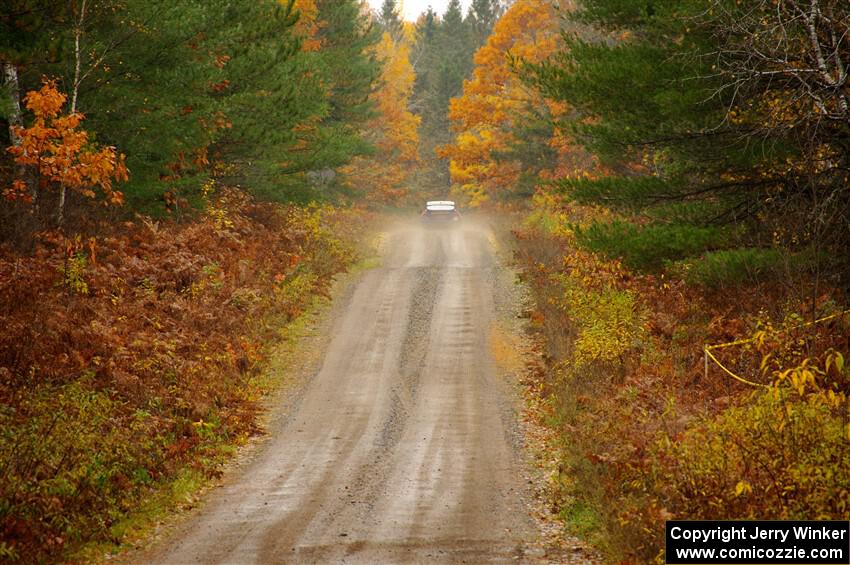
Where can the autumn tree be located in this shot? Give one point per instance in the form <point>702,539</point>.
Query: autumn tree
<point>394,131</point>
<point>495,103</point>
<point>60,154</point>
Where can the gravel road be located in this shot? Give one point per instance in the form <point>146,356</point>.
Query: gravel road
<point>402,447</point>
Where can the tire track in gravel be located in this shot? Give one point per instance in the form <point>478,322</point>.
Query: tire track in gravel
<point>400,448</point>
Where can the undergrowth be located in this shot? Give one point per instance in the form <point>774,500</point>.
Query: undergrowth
<point>646,435</point>
<point>128,358</point>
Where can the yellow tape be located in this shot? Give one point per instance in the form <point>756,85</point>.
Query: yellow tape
<point>731,343</point>
<point>710,355</point>
<point>730,373</point>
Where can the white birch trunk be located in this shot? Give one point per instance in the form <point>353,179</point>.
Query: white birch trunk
<point>10,75</point>
<point>78,31</point>
<point>16,119</point>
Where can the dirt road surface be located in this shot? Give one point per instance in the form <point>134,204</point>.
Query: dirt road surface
<point>403,446</point>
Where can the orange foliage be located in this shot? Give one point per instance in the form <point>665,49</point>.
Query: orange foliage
<point>308,24</point>
<point>60,153</point>
<point>395,130</point>
<point>485,116</point>
<point>125,358</point>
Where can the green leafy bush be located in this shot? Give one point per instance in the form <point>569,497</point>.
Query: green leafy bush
<point>69,460</point>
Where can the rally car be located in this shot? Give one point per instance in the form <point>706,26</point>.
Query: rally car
<point>440,212</point>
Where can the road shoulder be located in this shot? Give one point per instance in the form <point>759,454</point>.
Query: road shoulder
<point>515,351</point>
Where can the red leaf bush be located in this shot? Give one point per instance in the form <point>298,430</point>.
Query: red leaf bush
<point>123,358</point>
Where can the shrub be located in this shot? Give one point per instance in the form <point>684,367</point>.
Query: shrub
<point>643,435</point>
<point>606,320</point>
<point>70,458</point>
<point>777,457</point>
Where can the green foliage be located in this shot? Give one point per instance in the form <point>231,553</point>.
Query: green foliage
<point>481,17</point>
<point>5,103</point>
<point>726,164</point>
<point>182,87</point>
<point>27,28</point>
<point>263,94</point>
<point>66,464</point>
<point>350,71</point>
<point>671,97</point>
<point>530,148</point>
<point>444,52</point>
<point>649,248</point>
<point>629,193</point>
<point>390,19</point>
<point>729,267</point>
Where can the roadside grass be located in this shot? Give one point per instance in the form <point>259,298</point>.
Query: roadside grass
<point>164,502</point>
<point>584,521</point>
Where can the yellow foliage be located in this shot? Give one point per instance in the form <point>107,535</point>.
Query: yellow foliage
<point>790,454</point>
<point>395,131</point>
<point>606,320</point>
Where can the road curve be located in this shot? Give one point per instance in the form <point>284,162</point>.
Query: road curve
<point>401,448</point>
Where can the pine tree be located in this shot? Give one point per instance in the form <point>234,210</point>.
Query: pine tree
<point>263,94</point>
<point>482,15</point>
<point>138,80</point>
<point>390,20</point>
<point>179,86</point>
<point>443,60</point>
<point>349,70</point>
<point>423,52</point>
<point>706,120</point>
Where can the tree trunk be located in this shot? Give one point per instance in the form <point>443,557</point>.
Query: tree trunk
<point>16,120</point>
<point>10,74</point>
<point>78,31</point>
